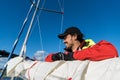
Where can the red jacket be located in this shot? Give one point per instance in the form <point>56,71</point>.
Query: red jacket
<point>100,51</point>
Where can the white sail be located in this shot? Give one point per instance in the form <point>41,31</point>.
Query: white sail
<point>108,69</point>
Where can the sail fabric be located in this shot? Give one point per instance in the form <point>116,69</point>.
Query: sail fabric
<point>63,71</point>
<point>108,69</point>
<point>11,65</point>
<point>104,70</point>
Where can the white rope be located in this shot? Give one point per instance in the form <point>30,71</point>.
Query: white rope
<point>39,28</point>
<point>38,23</point>
<point>61,32</point>
<point>40,33</point>
<point>61,6</point>
<point>61,28</point>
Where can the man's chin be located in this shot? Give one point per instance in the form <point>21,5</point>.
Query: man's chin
<point>68,49</point>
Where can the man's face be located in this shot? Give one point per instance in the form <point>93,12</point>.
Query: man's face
<point>69,41</point>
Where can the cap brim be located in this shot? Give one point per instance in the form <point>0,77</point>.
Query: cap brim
<point>61,36</point>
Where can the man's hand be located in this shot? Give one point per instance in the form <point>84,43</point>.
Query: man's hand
<point>58,56</point>
<point>62,56</point>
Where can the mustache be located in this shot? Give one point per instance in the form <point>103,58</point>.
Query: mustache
<point>65,42</point>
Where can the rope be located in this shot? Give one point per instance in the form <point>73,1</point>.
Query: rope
<point>38,23</point>
<point>61,6</point>
<point>62,11</point>
<point>39,27</point>
<point>30,69</point>
<point>48,10</point>
<point>40,34</point>
<point>61,28</point>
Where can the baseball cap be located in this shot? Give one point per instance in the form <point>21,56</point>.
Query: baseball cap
<point>70,30</point>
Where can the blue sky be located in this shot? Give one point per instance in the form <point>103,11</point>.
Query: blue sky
<point>97,19</point>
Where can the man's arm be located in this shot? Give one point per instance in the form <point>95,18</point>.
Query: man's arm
<point>100,51</point>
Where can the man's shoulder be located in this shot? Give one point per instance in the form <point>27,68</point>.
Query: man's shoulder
<point>104,41</point>
<point>88,43</point>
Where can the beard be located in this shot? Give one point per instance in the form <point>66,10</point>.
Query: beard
<point>69,46</point>
<point>68,49</point>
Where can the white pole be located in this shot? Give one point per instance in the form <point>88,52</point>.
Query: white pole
<point>23,50</point>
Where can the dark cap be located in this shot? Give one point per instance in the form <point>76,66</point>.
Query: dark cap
<point>71,30</point>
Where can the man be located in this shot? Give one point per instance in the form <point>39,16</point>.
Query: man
<point>79,49</point>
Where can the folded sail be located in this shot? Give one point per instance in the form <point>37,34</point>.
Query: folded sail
<point>108,69</point>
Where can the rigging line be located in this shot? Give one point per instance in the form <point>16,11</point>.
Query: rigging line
<point>40,11</point>
<point>23,50</point>
<point>48,10</point>
<point>61,31</point>
<point>37,21</point>
<point>40,35</point>
<point>61,28</point>
<point>61,6</point>
<point>62,9</point>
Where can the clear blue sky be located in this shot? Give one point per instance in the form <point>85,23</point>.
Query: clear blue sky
<point>97,19</point>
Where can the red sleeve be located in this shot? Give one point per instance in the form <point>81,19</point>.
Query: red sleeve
<point>100,51</point>
<point>49,58</point>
